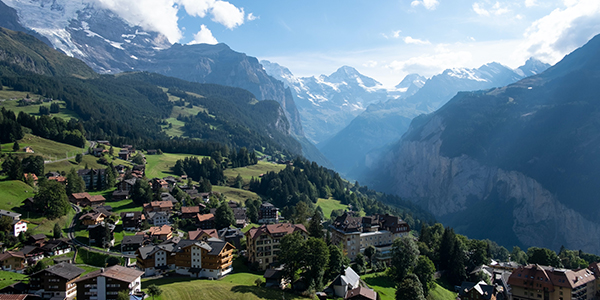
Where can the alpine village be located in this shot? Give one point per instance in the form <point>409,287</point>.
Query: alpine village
<point>135,168</point>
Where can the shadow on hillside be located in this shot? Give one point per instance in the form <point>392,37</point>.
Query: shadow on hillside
<point>380,280</point>
<point>264,293</point>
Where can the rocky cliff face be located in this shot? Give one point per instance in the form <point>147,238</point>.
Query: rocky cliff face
<point>520,211</point>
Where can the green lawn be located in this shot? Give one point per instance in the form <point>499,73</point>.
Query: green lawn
<point>46,226</point>
<point>12,194</point>
<point>328,205</point>
<point>48,149</point>
<point>34,109</point>
<point>249,226</point>
<point>89,160</point>
<point>234,194</point>
<point>7,93</point>
<point>175,129</point>
<point>7,278</point>
<point>160,165</point>
<point>239,285</point>
<point>386,288</point>
<point>124,206</point>
<point>248,172</point>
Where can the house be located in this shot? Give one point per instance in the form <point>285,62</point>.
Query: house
<point>534,282</point>
<point>158,218</point>
<point>361,293</point>
<point>85,199</point>
<point>275,278</point>
<point>90,176</point>
<point>477,291</point>
<point>239,213</point>
<point>132,221</point>
<point>37,239</point>
<point>19,226</point>
<point>97,234</point>
<point>10,214</point>
<point>205,221</point>
<point>156,206</point>
<point>126,185</point>
<point>56,282</point>
<point>31,176</point>
<point>105,143</point>
<point>56,247</point>
<point>28,150</point>
<point>262,242</point>
<point>268,214</point>
<point>233,236</point>
<point>98,151</point>
<point>168,197</point>
<point>52,174</point>
<point>202,234</point>
<point>345,282</point>
<point>212,258</point>
<point>124,155</point>
<point>29,204</point>
<point>32,254</point>
<point>60,179</point>
<point>190,212</point>
<point>93,217</point>
<point>158,184</point>
<point>120,195</point>
<point>358,233</point>
<point>12,261</point>
<point>131,243</point>
<point>163,233</point>
<point>17,288</point>
<point>106,283</point>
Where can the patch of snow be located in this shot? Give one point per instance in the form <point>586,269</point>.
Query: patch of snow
<point>464,74</point>
<point>133,56</point>
<point>128,36</point>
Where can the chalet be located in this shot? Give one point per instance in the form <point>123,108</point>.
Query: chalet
<point>107,283</point>
<point>37,239</point>
<point>126,185</point>
<point>205,221</point>
<point>263,242</point>
<point>16,289</point>
<point>93,217</point>
<point>29,204</point>
<point>121,168</point>
<point>56,247</point>
<point>90,176</point>
<point>132,221</point>
<point>233,236</point>
<point>98,232</point>
<point>159,184</point>
<point>163,233</point>
<point>12,261</point>
<point>139,170</point>
<point>158,218</point>
<point>345,282</point>
<point>358,233</point>
<point>202,234</point>
<point>28,150</point>
<point>189,212</point>
<point>477,291</point>
<point>156,206</point>
<point>124,155</point>
<point>131,243</point>
<point>361,293</point>
<point>172,181</point>
<point>268,214</point>
<point>19,226</point>
<point>105,143</point>
<point>56,282</point>
<point>275,278</point>
<point>32,254</point>
<point>99,151</point>
<point>31,176</point>
<point>168,197</point>
<point>14,216</point>
<point>152,152</point>
<point>120,195</point>
<point>85,199</point>
<point>532,282</point>
<point>212,258</point>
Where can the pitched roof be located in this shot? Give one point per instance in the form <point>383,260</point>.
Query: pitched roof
<point>361,291</point>
<point>271,229</point>
<point>13,297</point>
<point>64,270</point>
<point>80,195</point>
<point>161,204</point>
<point>132,239</point>
<point>115,272</point>
<point>160,230</point>
<point>549,277</point>
<point>190,209</point>
<point>194,235</point>
<point>9,254</point>
<point>205,217</point>
<point>9,213</point>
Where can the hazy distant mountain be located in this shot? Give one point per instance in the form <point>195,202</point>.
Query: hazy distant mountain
<point>328,103</point>
<point>355,146</point>
<point>517,164</point>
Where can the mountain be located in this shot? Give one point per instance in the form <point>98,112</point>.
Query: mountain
<point>517,164</point>
<point>110,45</point>
<point>356,146</point>
<point>328,103</point>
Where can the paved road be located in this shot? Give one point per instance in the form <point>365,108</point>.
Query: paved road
<point>74,241</point>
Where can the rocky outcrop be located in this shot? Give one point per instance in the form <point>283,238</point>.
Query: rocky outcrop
<point>455,189</point>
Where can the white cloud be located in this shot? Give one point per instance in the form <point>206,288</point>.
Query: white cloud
<point>410,40</point>
<point>370,64</point>
<point>434,62</point>
<point>428,4</point>
<point>497,9</point>
<point>153,15</point>
<point>251,17</point>
<point>530,3</point>
<point>395,34</point>
<point>161,15</point>
<point>204,36</point>
<point>562,31</point>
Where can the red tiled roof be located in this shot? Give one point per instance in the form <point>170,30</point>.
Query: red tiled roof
<point>190,209</point>
<point>165,229</point>
<point>270,229</point>
<point>205,217</point>
<point>194,235</point>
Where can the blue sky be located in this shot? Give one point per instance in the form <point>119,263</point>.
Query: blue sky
<point>385,39</point>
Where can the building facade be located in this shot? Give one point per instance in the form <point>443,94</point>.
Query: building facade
<point>262,242</point>
<point>57,281</point>
<point>105,284</point>
<point>535,282</point>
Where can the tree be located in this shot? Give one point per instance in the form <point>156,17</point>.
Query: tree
<point>316,260</point>
<point>337,261</point>
<point>57,231</point>
<point>142,192</point>
<point>315,228</point>
<point>123,295</point>
<point>78,158</point>
<point>33,164</point>
<point>239,182</point>
<point>410,289</point>
<point>6,223</point>
<point>252,207</point>
<point>224,216</point>
<point>52,200</point>
<point>360,263</point>
<point>543,256</point>
<point>404,256</point>
<point>518,255</point>
<point>301,212</point>
<point>75,183</point>
<point>370,253</point>
<point>154,290</point>
<point>12,167</point>
<point>424,271</point>
<point>292,254</point>
<point>138,159</point>
<point>16,146</point>
<point>44,111</point>
<point>111,176</point>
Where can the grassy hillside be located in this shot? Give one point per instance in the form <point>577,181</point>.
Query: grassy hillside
<point>234,194</point>
<point>13,192</point>
<point>160,165</point>
<point>48,149</point>
<point>328,205</point>
<point>35,108</point>
<point>254,170</point>
<point>386,288</point>
<point>7,278</point>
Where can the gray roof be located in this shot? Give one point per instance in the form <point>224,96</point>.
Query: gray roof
<point>348,278</point>
<point>9,213</point>
<point>133,239</point>
<point>64,270</point>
